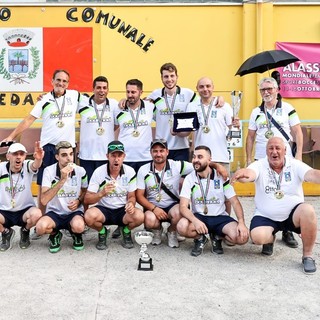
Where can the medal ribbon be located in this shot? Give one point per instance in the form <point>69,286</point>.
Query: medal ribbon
<point>62,107</point>
<point>135,119</point>
<point>206,114</point>
<point>99,118</point>
<point>158,183</point>
<point>170,107</point>
<point>269,121</point>
<point>204,193</point>
<point>13,188</point>
<point>278,182</point>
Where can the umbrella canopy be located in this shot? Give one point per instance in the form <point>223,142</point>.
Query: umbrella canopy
<point>265,61</point>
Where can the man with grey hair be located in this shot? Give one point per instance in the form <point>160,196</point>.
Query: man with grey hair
<point>273,118</point>
<point>278,182</point>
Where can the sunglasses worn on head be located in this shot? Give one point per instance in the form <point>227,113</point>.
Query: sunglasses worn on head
<point>113,147</point>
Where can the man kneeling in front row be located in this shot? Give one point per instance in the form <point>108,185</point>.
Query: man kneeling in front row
<point>112,188</point>
<point>207,191</point>
<point>63,187</point>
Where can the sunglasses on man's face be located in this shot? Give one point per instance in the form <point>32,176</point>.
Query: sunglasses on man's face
<point>113,147</point>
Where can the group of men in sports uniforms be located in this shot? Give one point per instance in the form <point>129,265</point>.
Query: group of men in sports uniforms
<point>139,168</point>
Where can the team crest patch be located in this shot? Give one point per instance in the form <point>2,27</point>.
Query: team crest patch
<point>20,59</point>
<point>279,112</point>
<point>287,176</point>
<point>216,184</point>
<point>213,114</point>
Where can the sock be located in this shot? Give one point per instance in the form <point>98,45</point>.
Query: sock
<point>126,230</point>
<point>103,230</point>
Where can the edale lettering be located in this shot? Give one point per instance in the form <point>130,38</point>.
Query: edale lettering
<point>15,99</point>
<point>5,14</point>
<point>111,21</point>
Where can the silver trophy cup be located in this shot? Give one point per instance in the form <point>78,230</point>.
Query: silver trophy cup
<point>143,238</point>
<point>235,103</point>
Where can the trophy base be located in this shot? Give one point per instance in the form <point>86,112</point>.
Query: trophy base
<point>145,265</point>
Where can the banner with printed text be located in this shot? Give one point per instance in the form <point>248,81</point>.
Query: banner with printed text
<point>301,79</point>
<point>29,56</point>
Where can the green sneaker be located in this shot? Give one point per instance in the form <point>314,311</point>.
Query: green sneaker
<point>127,242</point>
<point>102,240</point>
<point>77,241</point>
<point>54,240</point>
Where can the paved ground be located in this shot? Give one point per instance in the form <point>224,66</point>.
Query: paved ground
<point>241,284</point>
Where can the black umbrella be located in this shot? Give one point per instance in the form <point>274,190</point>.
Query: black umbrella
<point>265,61</point>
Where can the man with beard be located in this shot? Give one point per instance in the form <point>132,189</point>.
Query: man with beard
<point>158,191</point>
<point>63,188</point>
<point>262,127</point>
<point>17,206</point>
<point>134,123</point>
<point>169,100</point>
<point>206,191</point>
<point>96,126</point>
<point>279,200</point>
<point>112,189</point>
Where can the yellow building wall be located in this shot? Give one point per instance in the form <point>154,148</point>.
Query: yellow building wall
<point>202,40</point>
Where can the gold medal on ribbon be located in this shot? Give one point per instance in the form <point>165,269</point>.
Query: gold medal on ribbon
<point>13,203</point>
<point>100,131</point>
<point>136,133</point>
<point>205,210</point>
<point>269,134</point>
<point>60,124</point>
<point>205,129</point>
<point>279,194</point>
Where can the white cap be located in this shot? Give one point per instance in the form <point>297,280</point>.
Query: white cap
<point>17,147</point>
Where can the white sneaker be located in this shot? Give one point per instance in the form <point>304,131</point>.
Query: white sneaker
<point>156,236</point>
<point>172,239</point>
<point>180,237</point>
<point>34,235</point>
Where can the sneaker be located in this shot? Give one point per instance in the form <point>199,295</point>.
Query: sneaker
<point>6,243</point>
<point>289,240</point>
<point>199,244</point>
<point>309,265</point>
<point>77,241</point>
<point>116,233</point>
<point>173,239</point>
<point>102,240</point>
<point>34,235</point>
<point>24,242</point>
<point>127,240</point>
<point>180,237</point>
<point>216,244</point>
<point>54,240</point>
<point>267,249</point>
<point>157,233</point>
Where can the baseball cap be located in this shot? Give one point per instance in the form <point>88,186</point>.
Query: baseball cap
<point>162,142</point>
<point>17,147</point>
<point>115,145</point>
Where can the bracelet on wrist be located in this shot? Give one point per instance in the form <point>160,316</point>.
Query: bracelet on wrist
<point>153,208</point>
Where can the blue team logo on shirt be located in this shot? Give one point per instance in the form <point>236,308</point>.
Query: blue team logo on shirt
<point>181,98</point>
<point>169,173</point>
<point>213,114</point>
<point>279,112</point>
<point>216,184</point>
<point>74,181</point>
<point>124,181</point>
<point>287,176</point>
